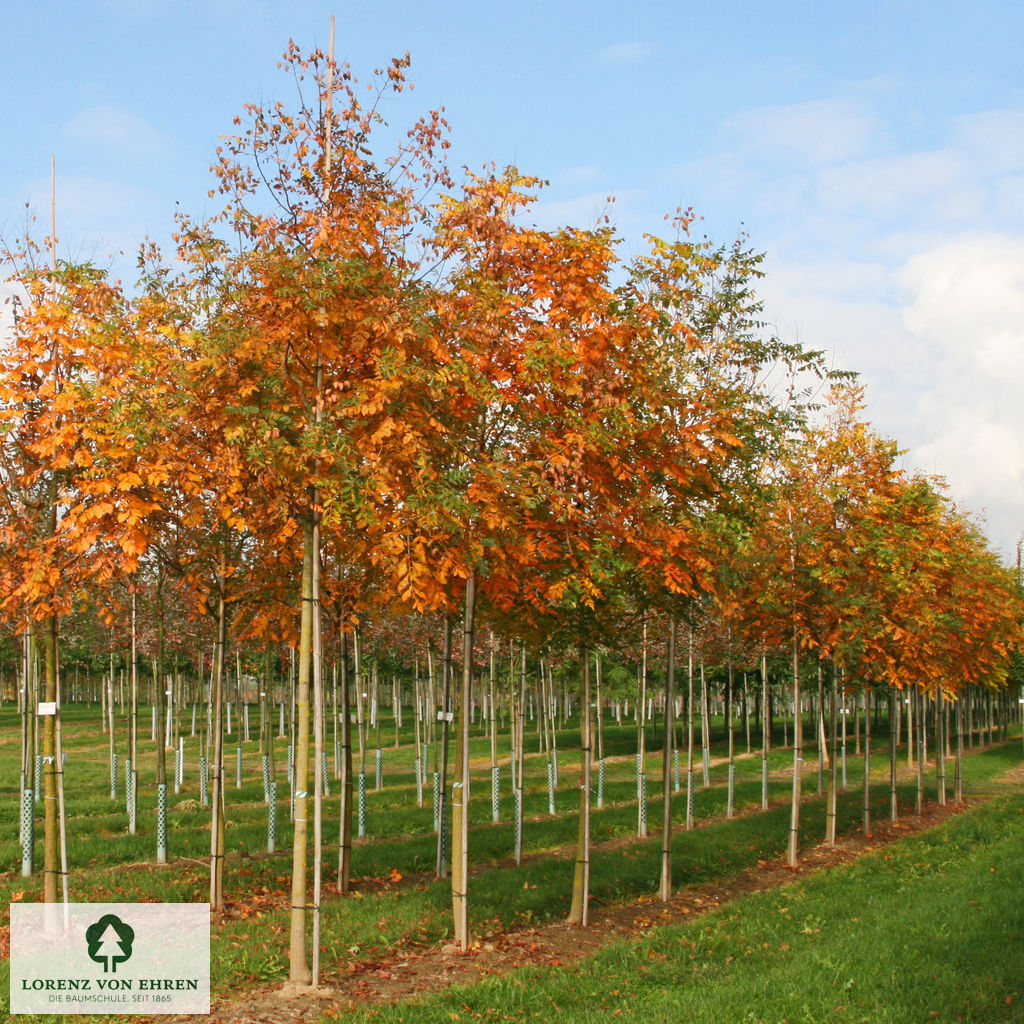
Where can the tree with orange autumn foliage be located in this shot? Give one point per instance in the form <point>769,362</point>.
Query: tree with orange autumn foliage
<point>372,388</point>
<point>805,538</point>
<point>74,495</point>
<point>518,352</point>
<point>927,604</point>
<point>316,319</point>
<point>726,422</point>
<point>854,562</point>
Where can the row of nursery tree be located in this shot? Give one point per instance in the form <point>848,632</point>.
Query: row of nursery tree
<point>366,395</point>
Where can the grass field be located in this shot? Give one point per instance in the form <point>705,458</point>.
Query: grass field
<point>931,929</point>
<point>925,930</point>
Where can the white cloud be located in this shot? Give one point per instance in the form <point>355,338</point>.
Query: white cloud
<point>939,341</point>
<point>87,200</point>
<point>98,219</point>
<point>965,300</point>
<point>815,131</point>
<point>623,53</point>
<point>583,211</point>
<point>940,184</point>
<point>993,138</point>
<point>968,297</point>
<point>905,262</point>
<point>578,175</point>
<point>982,459</point>
<point>943,358</point>
<point>118,132</point>
<point>839,305</point>
<point>10,292</point>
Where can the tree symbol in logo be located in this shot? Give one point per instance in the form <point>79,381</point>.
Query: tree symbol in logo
<point>110,942</point>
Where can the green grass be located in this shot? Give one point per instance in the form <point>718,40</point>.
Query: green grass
<point>250,946</point>
<point>930,929</point>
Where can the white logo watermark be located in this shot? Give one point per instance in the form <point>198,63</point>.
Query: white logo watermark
<point>110,958</point>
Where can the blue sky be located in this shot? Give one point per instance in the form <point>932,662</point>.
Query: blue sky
<point>875,151</point>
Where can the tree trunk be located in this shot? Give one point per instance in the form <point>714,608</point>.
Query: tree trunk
<point>958,792</point>
<point>520,757</point>
<point>690,780</point>
<point>766,726</point>
<point>217,762</point>
<point>665,888</point>
<point>298,969</point>
<point>29,704</point>
<point>731,732</point>
<point>345,823</point>
<point>641,748</point>
<point>131,781</point>
<point>940,748</point>
<point>48,748</point>
<point>798,760</point>
<point>893,738</point>
<point>746,713</point>
<point>831,815</point>
<point>492,722</point>
<point>819,722</point>
<point>160,704</point>
<point>705,725</point>
<point>460,788</point>
<point>867,761</point>
<point>442,798</point>
<point>319,775</point>
<point>918,712</point>
<point>581,875</point>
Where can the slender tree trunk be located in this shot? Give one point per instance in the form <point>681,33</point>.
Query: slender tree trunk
<point>731,733</point>
<point>746,712</point>
<point>492,723</point>
<point>520,757</point>
<point>417,697</point>
<point>298,968</point>
<point>705,725</point>
<point>641,749</point>
<point>361,729</point>
<point>110,725</point>
<point>160,704</point>
<point>319,775</point>
<point>552,720</point>
<point>911,726</point>
<point>460,788</point>
<point>798,760</point>
<point>61,815</point>
<point>940,748</point>
<point>867,761</point>
<point>29,705</point>
<point>766,728</point>
<point>48,748</point>
<point>442,796</point>
<point>133,728</point>
<point>690,779</point>
<point>833,788</point>
<point>345,823</point>
<point>958,791</point>
<point>217,762</point>
<point>665,888</point>
<point>598,682</point>
<point>918,712</point>
<point>581,876</point>
<point>893,738</point>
